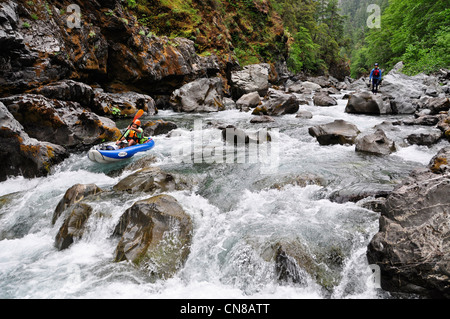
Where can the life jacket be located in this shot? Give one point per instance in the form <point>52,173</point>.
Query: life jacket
<point>133,135</point>
<point>376,73</point>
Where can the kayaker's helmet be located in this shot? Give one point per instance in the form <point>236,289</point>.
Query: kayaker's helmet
<point>376,64</point>
<point>137,122</point>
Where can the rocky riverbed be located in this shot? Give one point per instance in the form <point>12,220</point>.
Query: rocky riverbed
<point>64,91</point>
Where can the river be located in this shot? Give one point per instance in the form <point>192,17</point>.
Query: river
<point>236,211</point>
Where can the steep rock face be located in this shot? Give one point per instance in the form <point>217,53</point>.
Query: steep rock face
<point>412,246</point>
<point>22,154</point>
<point>107,45</point>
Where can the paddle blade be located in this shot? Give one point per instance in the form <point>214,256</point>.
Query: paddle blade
<point>138,115</point>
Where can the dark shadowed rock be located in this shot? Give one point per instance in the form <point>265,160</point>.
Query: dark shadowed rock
<point>155,234</point>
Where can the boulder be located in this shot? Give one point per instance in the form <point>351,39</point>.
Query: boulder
<point>262,119</point>
<point>150,180</point>
<point>440,163</point>
<point>23,155</point>
<point>368,103</point>
<point>323,99</point>
<point>428,137</point>
<point>158,127</point>
<point>202,95</point>
<point>337,132</point>
<point>74,225</point>
<point>278,103</point>
<point>406,91</point>
<point>73,195</point>
<point>412,246</point>
<point>252,78</point>
<point>237,136</point>
<point>304,114</point>
<point>437,105</point>
<point>248,100</point>
<point>155,234</point>
<point>375,143</point>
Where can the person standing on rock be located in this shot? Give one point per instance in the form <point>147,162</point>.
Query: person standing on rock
<point>375,77</point>
<point>132,136</point>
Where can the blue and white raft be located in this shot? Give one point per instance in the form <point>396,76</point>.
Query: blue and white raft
<point>111,153</point>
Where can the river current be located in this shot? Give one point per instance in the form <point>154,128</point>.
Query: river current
<point>236,210</point>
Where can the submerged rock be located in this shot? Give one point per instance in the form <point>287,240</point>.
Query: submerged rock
<point>156,234</point>
<point>74,225</point>
<point>150,180</point>
<point>73,195</point>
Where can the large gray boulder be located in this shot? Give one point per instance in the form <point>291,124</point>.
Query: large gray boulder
<point>375,143</point>
<point>337,132</point>
<point>412,246</point>
<point>201,95</point>
<point>252,78</point>
<point>155,234</point>
<point>278,103</point>
<point>368,103</point>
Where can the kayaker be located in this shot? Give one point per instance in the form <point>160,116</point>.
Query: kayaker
<point>132,136</point>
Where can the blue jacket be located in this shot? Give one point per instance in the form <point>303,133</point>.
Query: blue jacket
<point>371,74</point>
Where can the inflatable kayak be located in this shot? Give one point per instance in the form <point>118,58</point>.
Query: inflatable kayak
<point>111,153</point>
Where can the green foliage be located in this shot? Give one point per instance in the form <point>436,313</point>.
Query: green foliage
<point>415,32</point>
<point>318,27</point>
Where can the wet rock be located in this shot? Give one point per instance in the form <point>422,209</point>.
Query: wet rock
<point>150,180</point>
<point>158,127</point>
<point>304,114</point>
<point>74,226</point>
<point>323,99</point>
<point>262,119</point>
<point>411,246</point>
<point>202,95</point>
<point>74,195</point>
<point>248,100</point>
<point>23,155</point>
<point>278,103</point>
<point>375,143</point>
<point>337,132</point>
<point>428,137</point>
<point>368,103</point>
<point>237,136</point>
<point>295,263</point>
<point>252,78</point>
<point>155,234</point>
<point>440,163</point>
<point>437,105</point>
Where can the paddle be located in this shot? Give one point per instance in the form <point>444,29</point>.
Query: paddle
<point>138,115</point>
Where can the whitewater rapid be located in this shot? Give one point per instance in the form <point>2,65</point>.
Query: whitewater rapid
<point>237,216</point>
